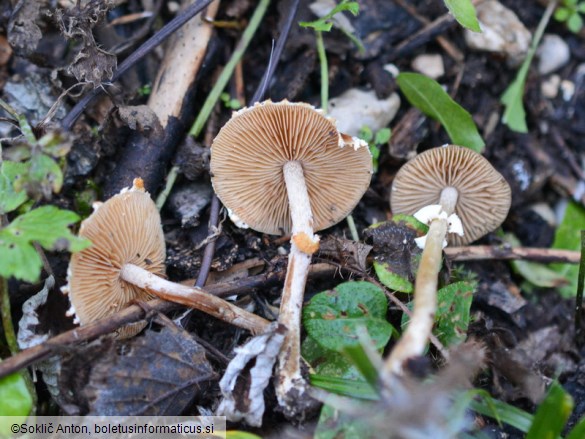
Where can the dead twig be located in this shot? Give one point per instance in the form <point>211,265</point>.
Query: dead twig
<point>486,252</point>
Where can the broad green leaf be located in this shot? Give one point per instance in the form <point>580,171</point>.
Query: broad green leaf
<point>18,258</point>
<point>46,173</point>
<point>15,400</point>
<point>552,414</point>
<point>575,22</point>
<point>537,274</point>
<point>429,97</point>
<point>453,312</point>
<point>391,280</point>
<point>383,136</point>
<point>326,362</point>
<point>568,237</point>
<point>333,317</point>
<point>10,198</point>
<point>464,13</point>
<point>49,226</point>
<point>395,252</point>
<point>562,14</point>
<point>46,225</point>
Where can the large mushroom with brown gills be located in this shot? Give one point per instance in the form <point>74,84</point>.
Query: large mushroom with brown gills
<point>462,197</point>
<point>283,168</point>
<point>125,263</point>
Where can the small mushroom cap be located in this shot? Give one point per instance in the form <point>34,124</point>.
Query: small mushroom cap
<point>125,229</point>
<point>484,196</point>
<point>248,155</point>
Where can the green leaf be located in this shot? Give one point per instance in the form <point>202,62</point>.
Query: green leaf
<point>552,414</point>
<point>581,7</point>
<point>575,23</point>
<point>515,116</point>
<point>500,411</point>
<point>10,198</point>
<point>333,317</point>
<point>15,400</point>
<point>46,173</point>
<point>326,362</point>
<point>453,312</point>
<point>365,133</point>
<point>578,432</point>
<point>464,13</point>
<point>18,258</point>
<point>324,23</point>
<point>383,136</point>
<point>568,237</point>
<point>562,14</point>
<point>358,389</point>
<point>430,98</point>
<point>46,225</point>
<point>392,280</point>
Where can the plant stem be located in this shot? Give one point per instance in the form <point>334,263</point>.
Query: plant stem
<point>579,338</point>
<point>228,70</point>
<point>193,297</point>
<point>324,70</point>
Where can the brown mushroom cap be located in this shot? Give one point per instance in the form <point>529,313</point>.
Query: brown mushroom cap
<point>483,194</point>
<point>126,229</point>
<point>248,155</point>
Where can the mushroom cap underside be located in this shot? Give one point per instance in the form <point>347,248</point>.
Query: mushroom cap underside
<point>484,196</point>
<point>126,229</point>
<point>248,155</point>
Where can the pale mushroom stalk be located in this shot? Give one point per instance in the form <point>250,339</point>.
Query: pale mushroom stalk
<point>462,197</point>
<point>415,338</point>
<point>193,297</point>
<point>303,244</point>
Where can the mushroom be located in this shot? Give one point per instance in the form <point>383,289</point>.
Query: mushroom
<point>283,168</point>
<point>456,190</point>
<point>125,263</point>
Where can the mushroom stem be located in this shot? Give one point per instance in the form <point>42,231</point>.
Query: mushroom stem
<point>303,244</point>
<point>193,297</point>
<point>415,338</point>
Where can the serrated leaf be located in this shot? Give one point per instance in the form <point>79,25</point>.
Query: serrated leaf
<point>333,317</point>
<point>18,259</point>
<point>15,400</point>
<point>464,13</point>
<point>429,97</point>
<point>568,237</point>
<point>49,226</point>
<point>552,414</point>
<point>10,198</point>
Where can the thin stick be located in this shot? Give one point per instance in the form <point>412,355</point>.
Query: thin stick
<point>486,252</point>
<point>193,297</point>
<point>324,70</point>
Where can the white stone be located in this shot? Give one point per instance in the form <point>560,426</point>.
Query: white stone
<point>550,86</point>
<point>429,65</point>
<point>567,89</point>
<point>553,53</point>
<point>355,109</point>
<point>502,32</point>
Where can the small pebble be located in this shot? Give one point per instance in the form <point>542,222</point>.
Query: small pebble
<point>553,53</point>
<point>355,109</point>
<point>429,65</point>
<point>550,86</point>
<point>567,89</point>
<point>502,32</point>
